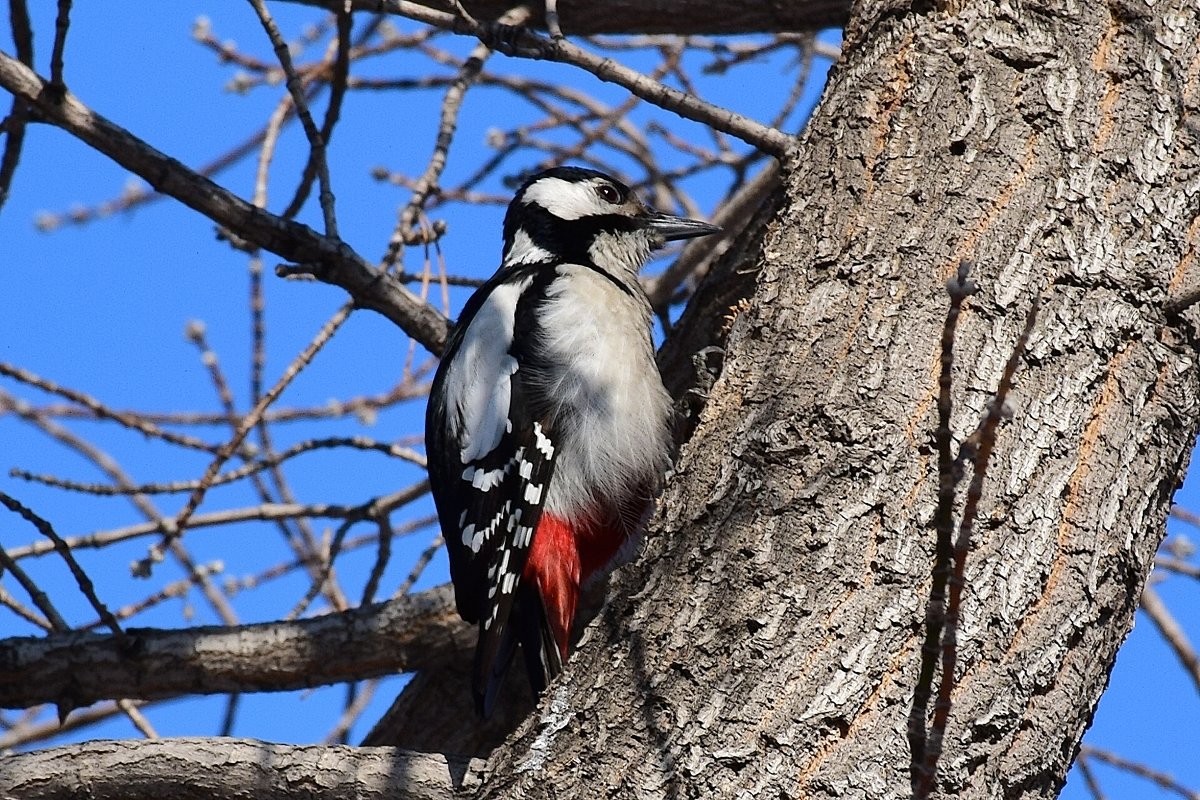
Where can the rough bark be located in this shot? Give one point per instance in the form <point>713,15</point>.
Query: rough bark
<point>231,769</point>
<point>768,641</point>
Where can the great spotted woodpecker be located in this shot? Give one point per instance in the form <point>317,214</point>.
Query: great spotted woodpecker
<point>547,430</point>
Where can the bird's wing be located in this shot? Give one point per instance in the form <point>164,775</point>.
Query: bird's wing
<point>497,461</point>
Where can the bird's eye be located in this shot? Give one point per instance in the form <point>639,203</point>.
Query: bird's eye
<point>609,194</point>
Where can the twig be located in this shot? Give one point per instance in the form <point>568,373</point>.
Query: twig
<point>14,124</point>
<point>1174,635</point>
<point>259,512</point>
<point>383,555</point>
<point>1175,565</point>
<point>325,258</point>
<point>131,710</point>
<point>526,44</point>
<point>81,577</point>
<point>360,699</point>
<point>1161,779</point>
<point>114,471</point>
<point>419,567</point>
<point>172,590</point>
<point>79,719</point>
<point>302,542</point>
<point>316,141</point>
<point>944,608</point>
<point>447,124</point>
<point>179,523</point>
<point>102,411</point>
<point>61,23</point>
<point>530,45</point>
<point>251,468</point>
<point>376,511</point>
<point>1089,777</point>
<point>9,564</point>
<point>18,608</point>
<point>984,440</point>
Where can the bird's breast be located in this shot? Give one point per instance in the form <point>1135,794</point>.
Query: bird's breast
<point>609,410</point>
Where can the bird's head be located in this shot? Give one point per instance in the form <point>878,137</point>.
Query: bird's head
<point>575,215</point>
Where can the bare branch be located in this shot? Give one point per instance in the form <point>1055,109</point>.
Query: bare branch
<point>265,511</point>
<point>1161,779</point>
<point>220,769</point>
<point>330,260</point>
<point>529,45</point>
<point>76,668</point>
<point>81,577</point>
<point>586,17</point>
<point>1174,635</point>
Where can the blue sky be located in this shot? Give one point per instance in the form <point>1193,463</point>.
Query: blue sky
<point>102,307</point>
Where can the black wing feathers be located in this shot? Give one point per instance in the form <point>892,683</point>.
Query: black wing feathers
<point>489,507</point>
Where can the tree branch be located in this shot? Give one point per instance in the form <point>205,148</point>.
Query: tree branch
<point>685,17</point>
<point>331,260</point>
<point>74,669</point>
<point>213,769</point>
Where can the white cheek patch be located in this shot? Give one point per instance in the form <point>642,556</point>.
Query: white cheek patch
<point>567,200</point>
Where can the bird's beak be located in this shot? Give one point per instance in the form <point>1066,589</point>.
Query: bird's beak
<point>672,228</point>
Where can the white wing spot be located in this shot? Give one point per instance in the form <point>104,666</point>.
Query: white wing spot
<point>524,535</point>
<point>469,539</point>
<point>544,445</point>
<point>474,539</point>
<point>484,479</point>
<point>533,494</point>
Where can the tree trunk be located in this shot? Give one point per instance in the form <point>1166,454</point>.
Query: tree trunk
<point>768,641</point>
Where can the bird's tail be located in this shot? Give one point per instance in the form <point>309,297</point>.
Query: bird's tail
<point>529,627</point>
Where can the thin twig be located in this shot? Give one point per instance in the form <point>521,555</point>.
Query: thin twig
<point>81,578</point>
<point>447,125</point>
<point>179,523</point>
<point>1172,633</point>
<point>102,411</point>
<point>18,608</point>
<point>8,564</point>
<point>61,23</point>
<point>1089,777</point>
<point>14,124</point>
<point>1161,779</point>
<point>323,257</point>
<point>316,141</point>
<point>252,513</point>
<point>978,450</point>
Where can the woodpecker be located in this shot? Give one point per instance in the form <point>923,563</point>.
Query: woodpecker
<point>548,426</point>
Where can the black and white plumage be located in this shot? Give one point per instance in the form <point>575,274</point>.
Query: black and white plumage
<point>548,424</point>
